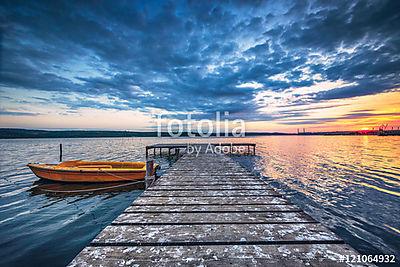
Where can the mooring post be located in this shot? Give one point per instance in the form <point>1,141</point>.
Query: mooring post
<point>60,152</point>
<point>149,172</point>
<point>147,152</point>
<point>160,152</point>
<point>149,168</point>
<point>254,149</point>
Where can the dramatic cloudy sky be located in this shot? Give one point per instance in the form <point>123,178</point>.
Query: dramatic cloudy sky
<point>280,65</point>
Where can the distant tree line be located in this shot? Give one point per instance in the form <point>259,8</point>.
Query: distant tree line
<point>12,133</point>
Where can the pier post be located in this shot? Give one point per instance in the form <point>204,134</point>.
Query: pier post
<point>147,152</point>
<point>149,168</point>
<point>60,152</point>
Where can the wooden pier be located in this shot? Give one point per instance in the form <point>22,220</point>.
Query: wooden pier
<point>251,147</point>
<point>207,210</point>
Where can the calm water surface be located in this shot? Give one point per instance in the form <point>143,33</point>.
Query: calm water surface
<point>349,183</point>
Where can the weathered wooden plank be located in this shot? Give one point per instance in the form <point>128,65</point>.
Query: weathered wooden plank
<point>202,180</point>
<point>205,173</point>
<point>210,176</point>
<point>206,167</point>
<point>214,234</point>
<point>211,188</point>
<point>203,161</point>
<point>207,170</point>
<point>209,193</point>
<point>211,208</point>
<point>210,200</point>
<point>212,166</point>
<point>221,217</point>
<point>204,158</point>
<point>207,180</point>
<point>208,187</point>
<point>318,255</point>
<point>190,167</point>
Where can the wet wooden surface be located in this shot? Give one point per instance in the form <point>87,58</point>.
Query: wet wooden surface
<point>215,255</point>
<point>210,211</point>
<point>212,218</point>
<point>211,208</point>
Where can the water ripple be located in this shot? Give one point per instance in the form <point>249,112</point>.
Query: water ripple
<point>351,183</point>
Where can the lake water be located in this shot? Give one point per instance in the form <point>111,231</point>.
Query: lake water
<point>349,183</point>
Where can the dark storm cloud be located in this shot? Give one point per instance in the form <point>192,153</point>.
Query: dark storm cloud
<point>309,121</point>
<point>191,55</point>
<point>349,116</point>
<point>17,113</point>
<point>359,115</point>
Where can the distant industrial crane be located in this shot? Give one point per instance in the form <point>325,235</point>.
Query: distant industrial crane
<point>383,127</point>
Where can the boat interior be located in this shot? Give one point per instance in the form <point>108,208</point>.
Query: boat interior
<point>81,164</point>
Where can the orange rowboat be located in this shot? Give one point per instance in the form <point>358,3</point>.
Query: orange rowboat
<point>91,171</point>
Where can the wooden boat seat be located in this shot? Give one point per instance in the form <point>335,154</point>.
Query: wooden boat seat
<point>95,166</point>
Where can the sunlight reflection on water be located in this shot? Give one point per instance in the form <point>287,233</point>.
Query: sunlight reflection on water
<point>350,183</point>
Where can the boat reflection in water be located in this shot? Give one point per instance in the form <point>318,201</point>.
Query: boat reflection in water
<point>60,189</point>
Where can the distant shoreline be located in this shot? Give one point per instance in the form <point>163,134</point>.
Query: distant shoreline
<point>13,133</point>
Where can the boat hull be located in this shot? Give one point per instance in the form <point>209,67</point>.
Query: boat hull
<point>88,176</point>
